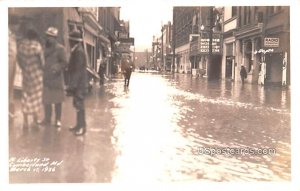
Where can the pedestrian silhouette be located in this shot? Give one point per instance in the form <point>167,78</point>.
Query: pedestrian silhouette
<point>127,68</point>
<point>243,73</point>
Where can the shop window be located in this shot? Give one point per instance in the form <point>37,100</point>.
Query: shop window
<point>259,17</point>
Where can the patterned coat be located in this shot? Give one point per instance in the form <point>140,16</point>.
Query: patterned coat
<point>55,63</point>
<point>12,45</point>
<point>31,61</point>
<point>77,74</point>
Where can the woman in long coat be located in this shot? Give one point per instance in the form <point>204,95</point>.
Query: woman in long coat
<point>12,45</point>
<point>31,61</point>
<point>55,63</point>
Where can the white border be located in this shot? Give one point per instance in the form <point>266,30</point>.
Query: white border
<point>295,53</point>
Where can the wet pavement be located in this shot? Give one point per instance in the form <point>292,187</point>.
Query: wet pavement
<point>163,128</point>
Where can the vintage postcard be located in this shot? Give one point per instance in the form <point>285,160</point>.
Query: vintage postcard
<point>150,92</point>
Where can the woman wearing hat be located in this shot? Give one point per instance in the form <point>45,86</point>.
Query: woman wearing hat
<point>55,64</point>
<point>77,84</point>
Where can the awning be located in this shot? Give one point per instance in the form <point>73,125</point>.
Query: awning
<point>104,39</point>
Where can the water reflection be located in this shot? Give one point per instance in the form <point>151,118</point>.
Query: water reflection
<point>160,124</point>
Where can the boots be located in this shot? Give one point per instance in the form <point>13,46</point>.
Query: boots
<point>80,127</point>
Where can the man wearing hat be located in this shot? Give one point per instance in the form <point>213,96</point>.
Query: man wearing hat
<point>77,80</point>
<point>55,64</point>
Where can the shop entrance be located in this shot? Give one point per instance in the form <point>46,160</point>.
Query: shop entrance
<point>274,68</point>
<point>215,67</point>
<point>228,72</point>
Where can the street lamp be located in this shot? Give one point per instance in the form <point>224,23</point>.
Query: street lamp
<point>202,27</point>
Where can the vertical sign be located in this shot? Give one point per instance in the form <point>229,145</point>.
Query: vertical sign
<point>216,43</point>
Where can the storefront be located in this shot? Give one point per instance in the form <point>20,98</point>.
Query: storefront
<point>276,59</point>
<point>182,59</point>
<point>248,41</point>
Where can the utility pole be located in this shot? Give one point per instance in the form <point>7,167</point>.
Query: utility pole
<point>210,28</point>
<point>173,42</point>
<point>147,58</point>
<point>162,46</point>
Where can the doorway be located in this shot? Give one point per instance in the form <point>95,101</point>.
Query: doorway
<point>274,68</point>
<point>228,69</point>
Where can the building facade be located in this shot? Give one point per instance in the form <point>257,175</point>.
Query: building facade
<point>166,43</point>
<point>182,26</point>
<point>258,38</point>
<point>192,29</point>
<point>109,19</point>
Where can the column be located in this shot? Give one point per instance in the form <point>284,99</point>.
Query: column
<point>253,40</point>
<point>243,52</point>
<point>234,59</point>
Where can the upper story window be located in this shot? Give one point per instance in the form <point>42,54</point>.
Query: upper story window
<point>273,9</point>
<point>247,15</point>
<point>233,11</point>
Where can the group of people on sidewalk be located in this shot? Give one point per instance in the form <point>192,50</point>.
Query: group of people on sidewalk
<point>46,72</point>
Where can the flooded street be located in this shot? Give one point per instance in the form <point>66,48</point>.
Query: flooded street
<point>164,128</point>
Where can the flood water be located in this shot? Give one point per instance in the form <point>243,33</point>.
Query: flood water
<point>168,128</point>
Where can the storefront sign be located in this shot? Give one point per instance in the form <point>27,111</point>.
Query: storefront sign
<point>271,42</point>
<point>263,51</point>
<point>123,35</point>
<point>201,46</point>
<point>216,43</point>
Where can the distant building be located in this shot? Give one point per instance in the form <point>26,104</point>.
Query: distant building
<point>109,19</point>
<point>182,22</point>
<point>118,34</point>
<point>167,46</point>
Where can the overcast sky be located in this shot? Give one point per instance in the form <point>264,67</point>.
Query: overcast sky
<point>146,18</point>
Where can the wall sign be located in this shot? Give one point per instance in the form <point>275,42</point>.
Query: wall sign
<point>271,42</point>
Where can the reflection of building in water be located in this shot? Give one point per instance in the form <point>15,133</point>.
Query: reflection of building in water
<point>283,99</point>
<point>261,95</point>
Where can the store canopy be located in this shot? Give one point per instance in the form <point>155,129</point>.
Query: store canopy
<point>104,39</point>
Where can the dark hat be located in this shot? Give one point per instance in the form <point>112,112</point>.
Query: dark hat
<point>75,35</point>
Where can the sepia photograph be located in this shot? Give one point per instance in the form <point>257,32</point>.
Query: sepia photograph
<point>152,93</point>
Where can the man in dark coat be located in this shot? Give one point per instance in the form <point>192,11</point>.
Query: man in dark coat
<point>126,67</point>
<point>101,73</point>
<point>55,64</point>
<point>243,73</point>
<point>78,83</point>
